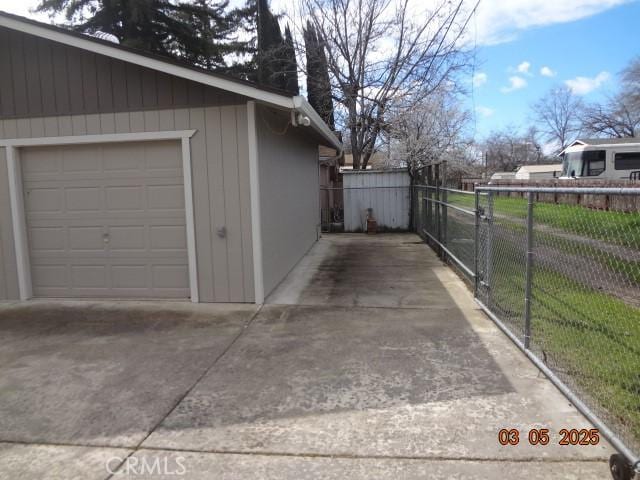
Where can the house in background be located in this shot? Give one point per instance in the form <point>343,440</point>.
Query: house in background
<point>127,175</point>
<point>538,172</point>
<point>503,176</point>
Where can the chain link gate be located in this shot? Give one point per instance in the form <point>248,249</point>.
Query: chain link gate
<point>558,270</point>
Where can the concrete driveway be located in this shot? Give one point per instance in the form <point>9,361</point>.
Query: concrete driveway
<point>369,361</point>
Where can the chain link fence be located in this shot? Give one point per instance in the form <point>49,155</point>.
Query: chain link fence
<point>445,218</point>
<point>559,271</point>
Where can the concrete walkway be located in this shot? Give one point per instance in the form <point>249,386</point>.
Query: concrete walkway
<point>370,360</point>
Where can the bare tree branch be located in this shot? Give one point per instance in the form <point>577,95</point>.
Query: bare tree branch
<point>381,51</point>
<point>558,114</point>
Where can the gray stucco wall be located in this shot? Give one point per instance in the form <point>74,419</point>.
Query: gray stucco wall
<point>220,167</point>
<point>289,194</point>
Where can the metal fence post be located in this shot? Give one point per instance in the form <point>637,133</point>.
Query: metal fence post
<point>428,202</point>
<point>528,272</point>
<point>489,254</point>
<point>445,211</point>
<point>476,243</point>
<point>437,210</point>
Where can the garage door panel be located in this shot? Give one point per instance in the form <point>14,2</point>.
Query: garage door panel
<point>125,198</point>
<point>130,276</point>
<point>165,197</point>
<point>91,259</point>
<point>128,238</point>
<point>169,276</point>
<point>88,276</point>
<point>49,276</point>
<point>48,239</point>
<point>168,237</point>
<point>44,200</point>
<point>108,228</point>
<point>124,158</point>
<point>83,199</point>
<point>86,238</point>
<point>81,158</point>
<point>163,156</point>
<point>41,163</point>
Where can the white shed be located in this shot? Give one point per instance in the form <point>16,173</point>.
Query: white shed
<point>385,192</point>
<point>538,172</point>
<point>503,176</point>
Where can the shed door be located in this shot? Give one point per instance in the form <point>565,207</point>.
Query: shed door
<point>106,220</point>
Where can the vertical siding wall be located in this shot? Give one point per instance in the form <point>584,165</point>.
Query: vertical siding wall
<point>386,192</point>
<point>44,78</point>
<point>220,169</point>
<point>289,195</point>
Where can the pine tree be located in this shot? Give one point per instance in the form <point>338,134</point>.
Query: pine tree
<point>318,82</point>
<point>200,33</point>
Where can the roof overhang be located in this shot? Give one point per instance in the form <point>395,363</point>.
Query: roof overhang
<point>298,104</point>
<point>579,146</point>
<point>302,106</point>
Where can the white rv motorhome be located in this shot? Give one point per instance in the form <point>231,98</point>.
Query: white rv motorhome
<point>607,159</point>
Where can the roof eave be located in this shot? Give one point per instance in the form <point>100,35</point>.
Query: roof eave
<point>302,105</point>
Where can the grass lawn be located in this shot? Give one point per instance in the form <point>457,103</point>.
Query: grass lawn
<point>613,227</point>
<point>587,337</point>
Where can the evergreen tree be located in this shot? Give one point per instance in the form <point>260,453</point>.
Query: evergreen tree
<point>318,82</point>
<point>201,32</point>
<point>290,64</point>
<point>273,62</point>
<point>270,41</point>
<point>277,66</point>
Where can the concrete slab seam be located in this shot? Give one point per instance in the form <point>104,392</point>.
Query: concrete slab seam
<point>188,391</point>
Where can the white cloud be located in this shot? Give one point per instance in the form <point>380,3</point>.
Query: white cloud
<point>484,111</point>
<point>515,83</point>
<point>547,72</point>
<point>499,21</point>
<point>479,79</point>
<point>23,8</point>
<point>584,85</point>
<point>524,67</point>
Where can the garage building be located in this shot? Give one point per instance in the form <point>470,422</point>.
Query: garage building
<point>126,175</point>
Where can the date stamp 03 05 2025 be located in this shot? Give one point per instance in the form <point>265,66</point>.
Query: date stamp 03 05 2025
<point>540,436</point>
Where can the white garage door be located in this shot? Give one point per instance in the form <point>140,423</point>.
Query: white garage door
<point>106,220</point>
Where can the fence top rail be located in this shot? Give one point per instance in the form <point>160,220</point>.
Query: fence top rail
<point>564,190</point>
<point>372,187</point>
<point>444,189</point>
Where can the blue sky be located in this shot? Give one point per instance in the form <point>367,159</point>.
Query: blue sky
<point>597,48</point>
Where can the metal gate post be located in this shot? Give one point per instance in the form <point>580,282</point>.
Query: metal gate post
<point>488,271</point>
<point>437,208</point>
<point>528,272</point>
<point>445,211</point>
<point>428,203</point>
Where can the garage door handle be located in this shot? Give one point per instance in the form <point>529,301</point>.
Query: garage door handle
<point>105,238</point>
